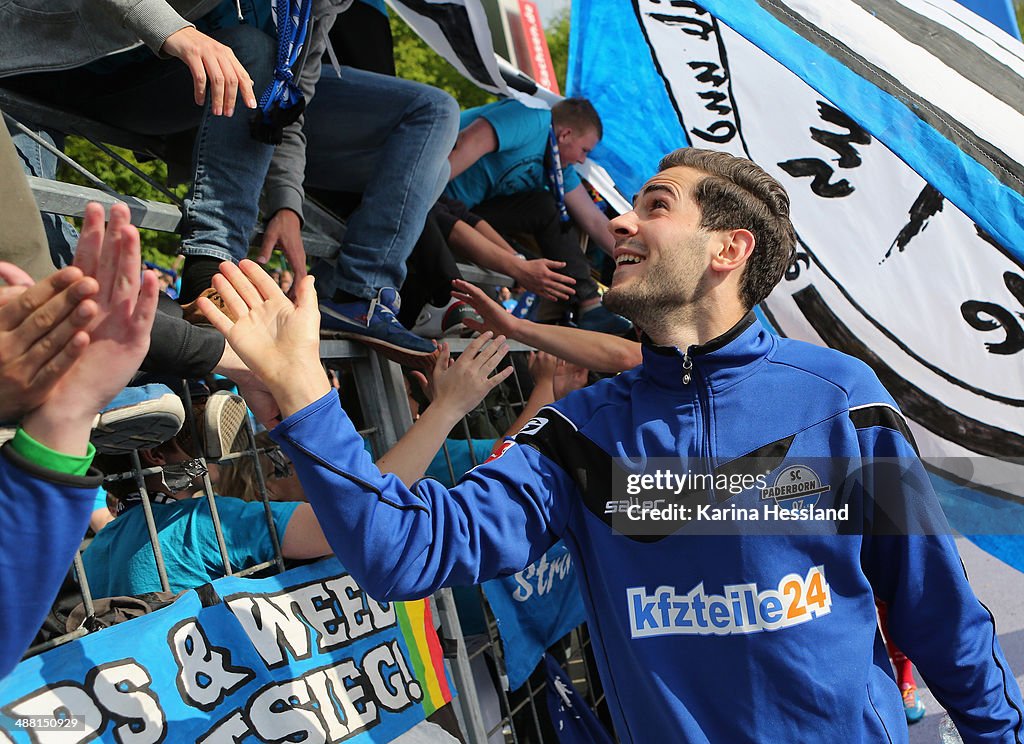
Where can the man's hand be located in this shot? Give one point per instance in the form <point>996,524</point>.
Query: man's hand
<point>284,231</point>
<point>41,334</point>
<point>16,281</point>
<point>496,318</point>
<point>211,62</point>
<point>279,341</point>
<point>539,275</point>
<point>251,387</point>
<point>118,331</point>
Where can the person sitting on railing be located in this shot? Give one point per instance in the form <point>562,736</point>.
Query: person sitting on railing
<point>212,81</point>
<point>68,345</point>
<point>513,166</point>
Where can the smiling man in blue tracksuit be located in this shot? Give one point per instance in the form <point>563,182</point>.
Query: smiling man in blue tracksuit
<point>710,624</point>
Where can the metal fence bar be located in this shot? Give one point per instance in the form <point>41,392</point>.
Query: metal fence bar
<point>83,584</point>
<point>463,676</point>
<point>254,569</point>
<point>109,152</point>
<point>190,421</point>
<point>59,154</point>
<point>147,508</point>
<point>261,487</point>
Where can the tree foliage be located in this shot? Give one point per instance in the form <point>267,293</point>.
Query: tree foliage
<point>157,247</point>
<point>558,45</point>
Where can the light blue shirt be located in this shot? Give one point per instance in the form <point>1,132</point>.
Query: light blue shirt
<point>517,166</point>
<point>120,561</point>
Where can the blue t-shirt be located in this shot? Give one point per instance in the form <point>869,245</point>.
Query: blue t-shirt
<point>458,451</point>
<point>120,560</point>
<point>517,166</point>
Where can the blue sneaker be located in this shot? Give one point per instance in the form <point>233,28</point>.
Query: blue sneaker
<point>601,319</point>
<point>373,322</point>
<point>138,418</point>
<point>913,708</point>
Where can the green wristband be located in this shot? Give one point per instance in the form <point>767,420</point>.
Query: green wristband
<point>43,456</point>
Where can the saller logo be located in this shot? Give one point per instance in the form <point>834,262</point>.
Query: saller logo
<point>740,609</point>
<point>533,426</point>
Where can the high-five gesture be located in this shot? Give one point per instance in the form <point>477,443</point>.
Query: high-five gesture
<point>118,331</point>
<point>277,339</point>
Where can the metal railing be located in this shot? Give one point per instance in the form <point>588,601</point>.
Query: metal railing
<point>380,404</point>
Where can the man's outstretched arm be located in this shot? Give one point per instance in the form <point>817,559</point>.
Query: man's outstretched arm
<point>600,352</point>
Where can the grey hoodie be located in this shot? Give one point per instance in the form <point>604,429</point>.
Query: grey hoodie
<point>42,35</point>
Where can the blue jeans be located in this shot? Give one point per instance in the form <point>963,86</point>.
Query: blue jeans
<point>155,97</point>
<point>61,235</point>
<point>389,139</point>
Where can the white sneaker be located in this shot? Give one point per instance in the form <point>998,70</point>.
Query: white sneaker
<point>445,322</point>
<point>225,425</point>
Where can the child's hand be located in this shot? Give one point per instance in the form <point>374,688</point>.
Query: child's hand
<point>568,377</point>
<point>459,386</point>
<point>542,367</point>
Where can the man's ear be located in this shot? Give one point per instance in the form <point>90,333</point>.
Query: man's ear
<point>562,134</point>
<point>152,457</point>
<point>733,250</point>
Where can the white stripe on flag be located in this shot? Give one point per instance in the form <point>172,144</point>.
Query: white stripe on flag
<point>988,38</point>
<point>920,71</point>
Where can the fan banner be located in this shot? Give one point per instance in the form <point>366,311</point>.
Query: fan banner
<point>533,609</point>
<point>302,656</point>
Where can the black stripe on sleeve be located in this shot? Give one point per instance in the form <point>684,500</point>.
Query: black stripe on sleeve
<point>884,416</point>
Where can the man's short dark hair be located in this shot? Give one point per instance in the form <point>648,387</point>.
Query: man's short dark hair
<point>578,114</point>
<point>737,194</point>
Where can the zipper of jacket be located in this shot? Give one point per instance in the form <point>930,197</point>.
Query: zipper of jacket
<point>704,403</point>
<point>238,7</point>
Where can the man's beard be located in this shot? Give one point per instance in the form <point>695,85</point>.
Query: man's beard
<point>646,303</point>
<point>654,299</point>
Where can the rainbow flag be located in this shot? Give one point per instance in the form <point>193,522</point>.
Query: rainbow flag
<point>417,625</point>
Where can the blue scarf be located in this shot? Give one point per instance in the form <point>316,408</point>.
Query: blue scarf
<point>553,172</point>
<point>282,102</point>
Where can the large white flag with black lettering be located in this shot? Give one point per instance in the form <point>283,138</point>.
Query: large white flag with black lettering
<point>846,103</point>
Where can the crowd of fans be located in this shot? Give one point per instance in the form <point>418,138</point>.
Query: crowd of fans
<point>386,154</point>
<point>91,358</point>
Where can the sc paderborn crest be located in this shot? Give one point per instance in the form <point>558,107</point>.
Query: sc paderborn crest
<point>796,487</point>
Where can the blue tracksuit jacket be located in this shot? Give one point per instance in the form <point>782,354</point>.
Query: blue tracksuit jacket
<point>705,632</point>
<point>44,515</point>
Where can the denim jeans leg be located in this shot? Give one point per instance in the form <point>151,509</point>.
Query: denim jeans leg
<point>389,139</point>
<point>228,165</point>
<point>61,235</point>
<point>222,206</point>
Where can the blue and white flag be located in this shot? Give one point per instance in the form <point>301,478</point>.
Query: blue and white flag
<point>534,608</point>
<point>896,126</point>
